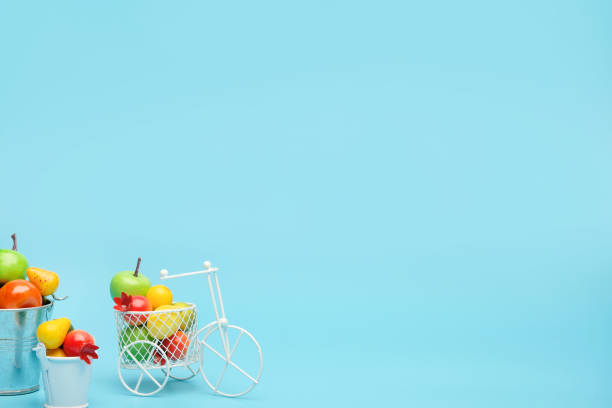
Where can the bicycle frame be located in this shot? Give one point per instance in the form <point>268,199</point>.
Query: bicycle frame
<point>221,320</point>
<point>221,324</point>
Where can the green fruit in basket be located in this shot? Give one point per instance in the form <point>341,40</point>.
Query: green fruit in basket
<point>129,282</point>
<point>187,317</point>
<point>13,265</point>
<point>140,351</point>
<point>162,325</point>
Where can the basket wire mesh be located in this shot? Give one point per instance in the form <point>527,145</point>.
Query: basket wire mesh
<point>173,330</point>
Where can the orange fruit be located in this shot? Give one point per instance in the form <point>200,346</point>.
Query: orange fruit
<point>159,295</point>
<point>18,294</point>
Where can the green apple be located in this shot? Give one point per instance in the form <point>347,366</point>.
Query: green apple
<point>141,351</point>
<point>129,282</point>
<point>13,265</point>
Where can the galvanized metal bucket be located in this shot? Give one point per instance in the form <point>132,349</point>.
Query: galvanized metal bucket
<point>19,367</point>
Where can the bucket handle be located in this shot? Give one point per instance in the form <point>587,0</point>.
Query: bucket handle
<point>55,299</point>
<point>41,353</point>
<point>59,298</point>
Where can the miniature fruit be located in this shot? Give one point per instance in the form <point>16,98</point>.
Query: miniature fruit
<point>46,281</point>
<point>18,294</point>
<point>176,346</point>
<point>159,295</point>
<point>158,358</point>
<point>187,317</point>
<point>133,304</point>
<point>129,282</point>
<point>79,343</point>
<point>58,352</point>
<point>162,325</point>
<point>12,264</point>
<point>53,333</point>
<point>139,304</point>
<point>140,351</point>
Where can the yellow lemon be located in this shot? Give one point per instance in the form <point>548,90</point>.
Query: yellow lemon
<point>58,352</point>
<point>163,325</point>
<point>159,295</point>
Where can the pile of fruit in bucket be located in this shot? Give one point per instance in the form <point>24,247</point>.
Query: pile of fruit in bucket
<point>16,292</point>
<point>149,316</point>
<point>61,340</point>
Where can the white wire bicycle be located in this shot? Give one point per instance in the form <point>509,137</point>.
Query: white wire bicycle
<point>166,344</point>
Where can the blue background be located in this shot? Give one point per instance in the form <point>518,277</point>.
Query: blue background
<point>411,203</point>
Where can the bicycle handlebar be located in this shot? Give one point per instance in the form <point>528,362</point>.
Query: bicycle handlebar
<point>163,274</point>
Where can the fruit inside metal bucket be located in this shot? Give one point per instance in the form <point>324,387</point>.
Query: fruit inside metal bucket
<point>20,369</point>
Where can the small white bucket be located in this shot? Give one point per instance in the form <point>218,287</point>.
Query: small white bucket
<point>65,380</point>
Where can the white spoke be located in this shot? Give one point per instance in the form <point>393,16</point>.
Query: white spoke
<point>227,350</point>
<point>229,362</point>
<point>220,377</point>
<point>138,383</point>
<point>235,345</point>
<point>214,351</point>
<point>224,339</point>
<point>143,369</point>
<point>153,379</point>
<point>242,371</point>
<point>226,364</point>
<point>191,369</point>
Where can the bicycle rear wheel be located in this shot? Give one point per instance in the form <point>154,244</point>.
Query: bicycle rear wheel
<point>137,370</point>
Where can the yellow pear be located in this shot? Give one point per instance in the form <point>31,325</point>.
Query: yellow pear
<point>53,332</point>
<point>187,317</point>
<point>163,325</point>
<point>46,281</point>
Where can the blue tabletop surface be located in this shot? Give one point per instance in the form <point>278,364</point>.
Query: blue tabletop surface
<point>410,202</point>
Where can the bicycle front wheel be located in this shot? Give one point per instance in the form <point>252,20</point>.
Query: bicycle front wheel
<point>230,360</point>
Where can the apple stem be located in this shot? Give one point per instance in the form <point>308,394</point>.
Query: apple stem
<point>137,267</point>
<point>14,236</point>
